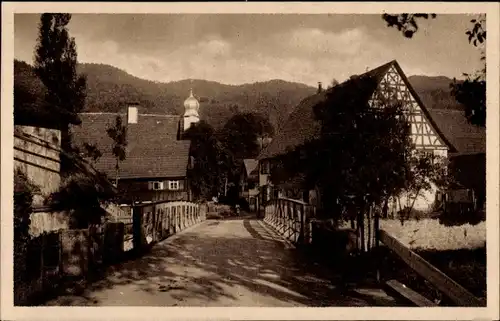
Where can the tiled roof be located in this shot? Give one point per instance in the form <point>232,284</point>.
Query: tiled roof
<point>467,138</point>
<point>152,151</point>
<point>301,126</point>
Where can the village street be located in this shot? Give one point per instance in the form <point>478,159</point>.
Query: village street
<point>234,262</point>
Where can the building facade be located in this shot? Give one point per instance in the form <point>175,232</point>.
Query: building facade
<point>157,157</point>
<point>392,86</point>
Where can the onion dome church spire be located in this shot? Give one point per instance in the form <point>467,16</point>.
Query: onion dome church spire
<point>191,109</point>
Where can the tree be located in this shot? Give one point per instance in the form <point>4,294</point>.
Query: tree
<point>118,133</point>
<point>333,83</point>
<point>361,155</point>
<point>24,190</point>
<point>472,92</point>
<point>212,162</point>
<point>89,151</point>
<point>55,65</point>
<point>406,22</point>
<point>243,134</point>
<point>423,172</point>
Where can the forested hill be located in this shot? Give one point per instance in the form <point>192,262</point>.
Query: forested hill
<point>110,89</point>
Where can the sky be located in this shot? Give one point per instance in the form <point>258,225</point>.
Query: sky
<point>245,48</point>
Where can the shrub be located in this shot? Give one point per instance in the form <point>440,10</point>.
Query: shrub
<point>23,198</point>
<point>81,195</point>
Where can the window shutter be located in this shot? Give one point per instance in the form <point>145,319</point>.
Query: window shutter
<point>181,184</point>
<point>150,185</point>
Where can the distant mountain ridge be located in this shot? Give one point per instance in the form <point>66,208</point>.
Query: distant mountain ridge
<point>110,89</point>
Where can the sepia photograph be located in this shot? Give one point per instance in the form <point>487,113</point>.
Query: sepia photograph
<point>232,160</point>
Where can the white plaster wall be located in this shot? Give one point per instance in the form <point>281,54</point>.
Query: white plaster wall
<point>40,163</point>
<point>188,120</point>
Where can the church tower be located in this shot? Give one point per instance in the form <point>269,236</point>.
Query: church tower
<point>191,109</point>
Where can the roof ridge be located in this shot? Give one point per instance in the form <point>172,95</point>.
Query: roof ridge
<point>161,115</point>
<point>123,113</point>
<point>445,110</point>
<point>100,113</point>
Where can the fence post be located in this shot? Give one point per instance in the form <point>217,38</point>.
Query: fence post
<point>377,240</point>
<point>138,233</point>
<point>302,222</point>
<point>42,263</point>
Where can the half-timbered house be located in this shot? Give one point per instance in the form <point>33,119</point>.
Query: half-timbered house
<point>391,86</point>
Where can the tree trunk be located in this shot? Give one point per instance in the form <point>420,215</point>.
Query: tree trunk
<point>65,146</point>
<point>369,227</point>
<point>362,221</point>
<point>385,208</point>
<point>117,167</point>
<point>361,227</point>
<point>413,203</point>
<point>376,223</point>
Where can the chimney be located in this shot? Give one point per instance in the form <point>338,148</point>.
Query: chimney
<point>320,88</point>
<point>132,114</point>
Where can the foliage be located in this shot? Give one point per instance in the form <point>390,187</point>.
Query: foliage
<point>212,162</point>
<point>55,65</point>
<point>406,22</point>
<point>118,133</point>
<point>243,133</point>
<point>333,83</point>
<point>82,196</point>
<point>471,93</point>
<point>24,189</point>
<point>89,151</point>
<point>423,172</point>
<point>375,144</point>
<point>23,198</point>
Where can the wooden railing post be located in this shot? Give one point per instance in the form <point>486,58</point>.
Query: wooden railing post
<point>302,222</point>
<point>136,228</point>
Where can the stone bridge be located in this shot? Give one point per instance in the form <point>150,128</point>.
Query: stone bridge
<point>238,262</point>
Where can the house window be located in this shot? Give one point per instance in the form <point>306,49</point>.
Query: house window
<point>173,185</point>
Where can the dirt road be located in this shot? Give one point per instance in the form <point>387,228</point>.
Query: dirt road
<point>238,263</point>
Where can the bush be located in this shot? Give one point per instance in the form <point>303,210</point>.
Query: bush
<point>82,195</point>
<point>23,198</point>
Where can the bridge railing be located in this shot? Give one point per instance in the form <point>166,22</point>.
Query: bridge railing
<point>458,294</point>
<point>291,218</point>
<point>156,221</point>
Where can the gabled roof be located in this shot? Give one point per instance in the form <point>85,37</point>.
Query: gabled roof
<point>302,126</point>
<point>251,166</point>
<point>153,150</point>
<point>467,138</point>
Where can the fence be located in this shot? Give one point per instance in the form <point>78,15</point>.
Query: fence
<point>291,218</point>
<point>438,279</point>
<point>154,222</point>
<point>56,256</point>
